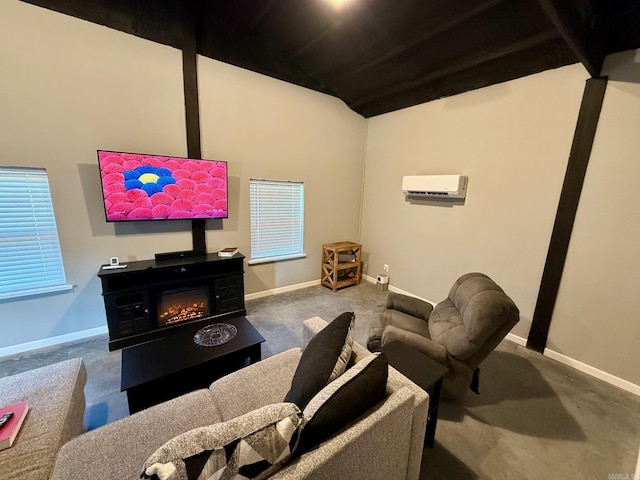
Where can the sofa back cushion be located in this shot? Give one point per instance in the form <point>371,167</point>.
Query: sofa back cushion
<point>475,309</point>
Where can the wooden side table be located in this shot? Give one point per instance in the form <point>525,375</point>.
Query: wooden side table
<point>424,372</point>
<point>341,264</point>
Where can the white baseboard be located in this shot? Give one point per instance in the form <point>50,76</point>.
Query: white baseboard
<point>368,278</point>
<point>594,372</point>
<point>516,339</point>
<point>48,342</point>
<point>288,288</point>
<point>583,367</point>
<point>397,290</point>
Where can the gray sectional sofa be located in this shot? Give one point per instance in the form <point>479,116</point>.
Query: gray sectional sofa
<point>55,395</point>
<point>383,443</point>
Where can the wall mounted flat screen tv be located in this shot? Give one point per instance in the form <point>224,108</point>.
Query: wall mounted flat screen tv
<point>137,187</point>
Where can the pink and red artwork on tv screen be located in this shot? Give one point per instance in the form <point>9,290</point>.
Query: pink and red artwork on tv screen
<point>151,187</point>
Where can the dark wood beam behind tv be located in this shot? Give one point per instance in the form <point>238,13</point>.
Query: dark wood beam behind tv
<point>130,294</point>
<point>192,106</point>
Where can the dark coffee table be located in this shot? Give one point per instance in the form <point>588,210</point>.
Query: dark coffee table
<point>156,371</point>
<point>424,372</point>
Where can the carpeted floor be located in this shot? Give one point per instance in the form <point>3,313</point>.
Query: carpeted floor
<point>534,419</point>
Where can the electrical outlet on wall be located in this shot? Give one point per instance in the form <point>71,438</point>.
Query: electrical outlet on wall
<point>386,268</point>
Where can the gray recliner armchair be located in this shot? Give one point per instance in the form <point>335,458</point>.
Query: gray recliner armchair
<point>459,332</point>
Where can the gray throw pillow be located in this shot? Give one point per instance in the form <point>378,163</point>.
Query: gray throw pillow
<point>254,445</point>
<point>325,359</point>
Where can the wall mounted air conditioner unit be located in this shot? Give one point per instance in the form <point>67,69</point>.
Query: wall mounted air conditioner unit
<point>435,186</point>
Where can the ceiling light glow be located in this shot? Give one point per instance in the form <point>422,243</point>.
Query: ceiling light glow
<point>338,4</point>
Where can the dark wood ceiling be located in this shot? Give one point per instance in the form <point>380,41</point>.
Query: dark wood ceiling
<point>382,55</point>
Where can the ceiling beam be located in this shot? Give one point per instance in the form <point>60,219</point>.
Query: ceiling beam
<point>577,35</point>
<point>439,28</point>
<point>457,66</point>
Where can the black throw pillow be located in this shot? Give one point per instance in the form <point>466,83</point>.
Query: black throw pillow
<point>344,400</point>
<point>324,359</point>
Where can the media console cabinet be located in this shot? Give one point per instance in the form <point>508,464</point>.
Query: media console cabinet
<point>149,298</point>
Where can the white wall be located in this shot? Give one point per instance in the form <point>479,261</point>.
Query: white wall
<point>71,87</point>
<point>271,129</point>
<point>513,141</point>
<point>596,316</point>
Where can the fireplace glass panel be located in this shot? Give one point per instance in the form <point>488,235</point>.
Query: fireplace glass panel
<point>183,306</point>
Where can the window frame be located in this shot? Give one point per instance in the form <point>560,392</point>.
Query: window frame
<point>259,192</point>
<point>30,253</point>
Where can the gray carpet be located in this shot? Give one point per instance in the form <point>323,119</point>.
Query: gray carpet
<point>534,418</point>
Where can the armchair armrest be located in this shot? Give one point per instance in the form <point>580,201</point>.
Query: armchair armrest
<point>420,343</point>
<point>409,305</point>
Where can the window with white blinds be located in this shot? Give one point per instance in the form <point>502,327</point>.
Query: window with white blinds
<point>30,257</point>
<point>277,220</point>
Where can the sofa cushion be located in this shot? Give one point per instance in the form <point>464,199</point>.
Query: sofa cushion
<point>343,400</point>
<point>120,448</point>
<point>271,377</point>
<point>254,445</point>
<point>323,360</point>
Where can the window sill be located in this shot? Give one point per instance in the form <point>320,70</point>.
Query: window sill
<point>35,291</point>
<point>279,258</point>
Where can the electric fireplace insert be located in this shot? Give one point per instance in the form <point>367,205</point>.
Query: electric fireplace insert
<point>183,305</point>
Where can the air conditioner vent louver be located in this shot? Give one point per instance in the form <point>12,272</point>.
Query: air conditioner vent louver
<point>437,186</point>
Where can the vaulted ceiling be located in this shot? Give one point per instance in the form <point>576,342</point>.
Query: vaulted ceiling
<point>381,55</point>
